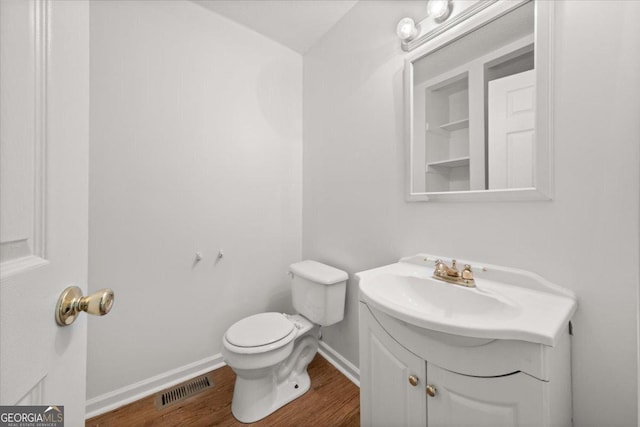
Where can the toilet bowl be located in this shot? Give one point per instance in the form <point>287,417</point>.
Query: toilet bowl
<point>270,352</point>
<point>271,370</point>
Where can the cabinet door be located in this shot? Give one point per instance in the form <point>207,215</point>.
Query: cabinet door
<point>461,400</point>
<point>387,397</point>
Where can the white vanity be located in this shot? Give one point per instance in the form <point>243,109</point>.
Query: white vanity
<point>437,354</point>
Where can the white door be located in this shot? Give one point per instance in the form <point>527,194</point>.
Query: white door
<point>512,131</point>
<point>510,401</point>
<point>44,131</point>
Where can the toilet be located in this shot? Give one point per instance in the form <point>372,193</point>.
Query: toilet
<point>270,352</point>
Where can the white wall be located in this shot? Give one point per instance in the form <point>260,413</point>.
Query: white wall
<point>196,145</point>
<point>586,239</point>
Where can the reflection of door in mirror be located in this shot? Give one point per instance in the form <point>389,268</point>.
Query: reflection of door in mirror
<point>511,131</point>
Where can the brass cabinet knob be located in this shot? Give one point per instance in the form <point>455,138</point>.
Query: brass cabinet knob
<point>71,303</point>
<point>431,390</point>
<point>413,380</point>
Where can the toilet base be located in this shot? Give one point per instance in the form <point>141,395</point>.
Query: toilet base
<point>249,404</point>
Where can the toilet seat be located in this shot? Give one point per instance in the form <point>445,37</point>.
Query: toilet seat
<point>270,330</point>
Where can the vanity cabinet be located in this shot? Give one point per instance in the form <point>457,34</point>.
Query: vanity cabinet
<point>474,382</point>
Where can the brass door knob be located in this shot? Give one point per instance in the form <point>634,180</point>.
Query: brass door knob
<point>413,380</point>
<point>431,390</point>
<point>71,303</point>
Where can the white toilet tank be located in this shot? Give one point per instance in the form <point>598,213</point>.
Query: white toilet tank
<point>318,291</point>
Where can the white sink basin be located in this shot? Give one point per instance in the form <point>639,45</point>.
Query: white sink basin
<point>438,299</point>
<point>505,304</point>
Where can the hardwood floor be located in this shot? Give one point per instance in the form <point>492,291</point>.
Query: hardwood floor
<point>332,401</point>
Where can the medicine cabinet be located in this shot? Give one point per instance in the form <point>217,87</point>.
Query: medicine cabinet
<point>477,100</point>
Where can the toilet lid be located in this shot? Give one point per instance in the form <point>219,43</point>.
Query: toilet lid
<point>259,329</point>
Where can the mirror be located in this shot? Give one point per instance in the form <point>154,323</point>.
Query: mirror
<point>477,104</point>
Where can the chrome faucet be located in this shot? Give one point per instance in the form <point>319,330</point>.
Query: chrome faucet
<point>451,274</point>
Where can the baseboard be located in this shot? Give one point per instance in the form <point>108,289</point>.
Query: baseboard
<point>125,395</point>
<point>347,368</point>
<point>128,394</point>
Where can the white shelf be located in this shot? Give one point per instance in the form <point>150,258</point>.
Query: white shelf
<point>455,125</point>
<point>450,163</point>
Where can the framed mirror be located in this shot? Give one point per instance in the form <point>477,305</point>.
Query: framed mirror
<point>478,106</point>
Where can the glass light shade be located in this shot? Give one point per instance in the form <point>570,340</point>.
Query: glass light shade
<point>439,9</point>
<point>406,29</point>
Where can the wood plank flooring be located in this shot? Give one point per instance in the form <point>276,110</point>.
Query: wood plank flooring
<point>332,401</point>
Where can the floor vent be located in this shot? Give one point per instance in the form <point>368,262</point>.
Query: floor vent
<point>183,391</point>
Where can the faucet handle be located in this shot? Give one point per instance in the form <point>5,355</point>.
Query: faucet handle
<point>467,274</point>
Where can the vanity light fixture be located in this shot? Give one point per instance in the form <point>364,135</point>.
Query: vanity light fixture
<point>441,17</point>
<point>439,10</point>
<point>407,29</point>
